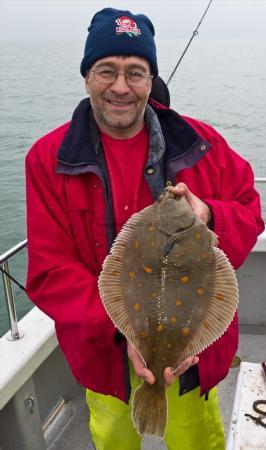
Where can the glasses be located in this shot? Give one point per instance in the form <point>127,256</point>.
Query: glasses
<point>133,77</point>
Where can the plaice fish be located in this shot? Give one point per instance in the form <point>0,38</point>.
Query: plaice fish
<point>170,291</point>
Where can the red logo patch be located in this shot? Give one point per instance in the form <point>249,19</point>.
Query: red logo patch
<point>127,25</point>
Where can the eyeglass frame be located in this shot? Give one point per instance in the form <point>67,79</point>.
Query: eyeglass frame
<point>145,76</point>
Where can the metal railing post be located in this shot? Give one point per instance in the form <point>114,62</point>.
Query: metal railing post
<point>14,333</point>
<point>10,303</point>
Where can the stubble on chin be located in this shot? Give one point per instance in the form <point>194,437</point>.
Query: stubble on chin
<point>118,122</point>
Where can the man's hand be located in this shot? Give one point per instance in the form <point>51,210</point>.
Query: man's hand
<point>171,376</point>
<point>139,366</point>
<point>147,375</point>
<point>200,208</point>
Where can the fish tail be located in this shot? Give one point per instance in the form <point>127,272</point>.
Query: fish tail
<point>149,412</point>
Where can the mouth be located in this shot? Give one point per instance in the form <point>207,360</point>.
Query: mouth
<point>120,105</point>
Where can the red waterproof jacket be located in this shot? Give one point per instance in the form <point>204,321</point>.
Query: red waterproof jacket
<point>69,219</point>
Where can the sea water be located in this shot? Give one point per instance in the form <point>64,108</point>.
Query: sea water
<point>222,82</point>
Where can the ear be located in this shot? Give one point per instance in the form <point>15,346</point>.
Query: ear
<point>87,84</point>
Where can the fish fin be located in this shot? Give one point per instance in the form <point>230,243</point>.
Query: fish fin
<point>214,238</point>
<point>110,286</point>
<point>220,310</point>
<point>149,410</point>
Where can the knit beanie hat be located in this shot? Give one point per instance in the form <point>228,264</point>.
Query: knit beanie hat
<point>113,32</point>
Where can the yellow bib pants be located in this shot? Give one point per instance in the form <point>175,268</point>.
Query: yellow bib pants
<point>193,423</point>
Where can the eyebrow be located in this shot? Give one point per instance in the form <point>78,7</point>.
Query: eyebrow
<point>128,67</point>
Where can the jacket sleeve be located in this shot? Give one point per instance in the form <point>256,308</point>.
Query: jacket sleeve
<point>225,181</point>
<point>237,222</point>
<point>57,282</point>
<point>237,210</point>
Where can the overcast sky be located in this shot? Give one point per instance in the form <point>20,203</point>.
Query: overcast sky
<point>68,20</point>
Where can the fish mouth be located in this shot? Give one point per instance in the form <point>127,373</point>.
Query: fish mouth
<point>175,238</point>
<point>182,229</point>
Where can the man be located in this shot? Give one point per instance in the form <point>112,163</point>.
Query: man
<point>84,180</point>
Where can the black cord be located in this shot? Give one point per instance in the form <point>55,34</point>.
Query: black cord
<point>13,279</point>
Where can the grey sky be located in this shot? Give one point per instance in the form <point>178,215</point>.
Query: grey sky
<point>68,20</point>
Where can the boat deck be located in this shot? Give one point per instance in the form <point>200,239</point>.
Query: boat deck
<point>41,405</point>
<point>75,432</point>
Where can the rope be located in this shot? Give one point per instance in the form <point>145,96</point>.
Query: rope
<point>195,33</point>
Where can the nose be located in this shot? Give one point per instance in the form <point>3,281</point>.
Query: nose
<point>120,85</point>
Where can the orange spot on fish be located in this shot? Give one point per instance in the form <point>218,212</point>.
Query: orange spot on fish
<point>197,236</point>
<point>173,319</point>
<point>178,302</point>
<point>200,291</point>
<point>147,269</point>
<point>139,285</point>
<point>153,243</point>
<point>205,254</point>
<point>144,334</point>
<point>132,275</point>
<point>151,227</point>
<point>219,296</point>
<point>153,295</point>
<point>136,306</point>
<point>184,279</point>
<point>136,244</point>
<point>185,331</point>
<point>160,327</point>
<point>169,345</point>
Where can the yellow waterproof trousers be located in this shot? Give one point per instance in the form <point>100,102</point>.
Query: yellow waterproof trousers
<point>193,423</point>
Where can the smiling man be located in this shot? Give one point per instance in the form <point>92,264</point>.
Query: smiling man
<point>119,88</point>
<point>84,180</point>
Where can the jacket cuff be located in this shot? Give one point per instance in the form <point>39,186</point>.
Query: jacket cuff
<point>189,380</point>
<point>216,222</point>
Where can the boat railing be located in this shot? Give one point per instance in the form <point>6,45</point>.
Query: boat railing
<point>8,291</point>
<point>15,334</point>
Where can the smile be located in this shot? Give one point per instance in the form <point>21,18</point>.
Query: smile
<point>119,103</point>
<point>120,106</point>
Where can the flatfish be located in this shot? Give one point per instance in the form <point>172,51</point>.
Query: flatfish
<point>170,291</point>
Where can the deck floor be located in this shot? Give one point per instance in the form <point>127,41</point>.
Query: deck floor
<point>75,435</point>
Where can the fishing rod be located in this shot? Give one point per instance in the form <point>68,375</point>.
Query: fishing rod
<point>195,33</point>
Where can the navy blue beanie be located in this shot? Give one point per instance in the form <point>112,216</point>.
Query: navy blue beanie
<point>113,32</point>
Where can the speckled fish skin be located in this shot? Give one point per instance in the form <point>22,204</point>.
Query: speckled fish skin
<point>171,291</point>
<point>168,270</point>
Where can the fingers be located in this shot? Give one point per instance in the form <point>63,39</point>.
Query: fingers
<point>200,208</point>
<point>171,376</point>
<point>139,366</point>
<point>181,189</point>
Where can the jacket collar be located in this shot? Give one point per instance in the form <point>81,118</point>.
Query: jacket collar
<point>167,130</point>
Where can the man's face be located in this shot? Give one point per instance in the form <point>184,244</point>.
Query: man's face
<point>119,107</point>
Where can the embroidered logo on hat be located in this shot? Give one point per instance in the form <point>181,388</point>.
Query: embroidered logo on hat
<point>127,25</point>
